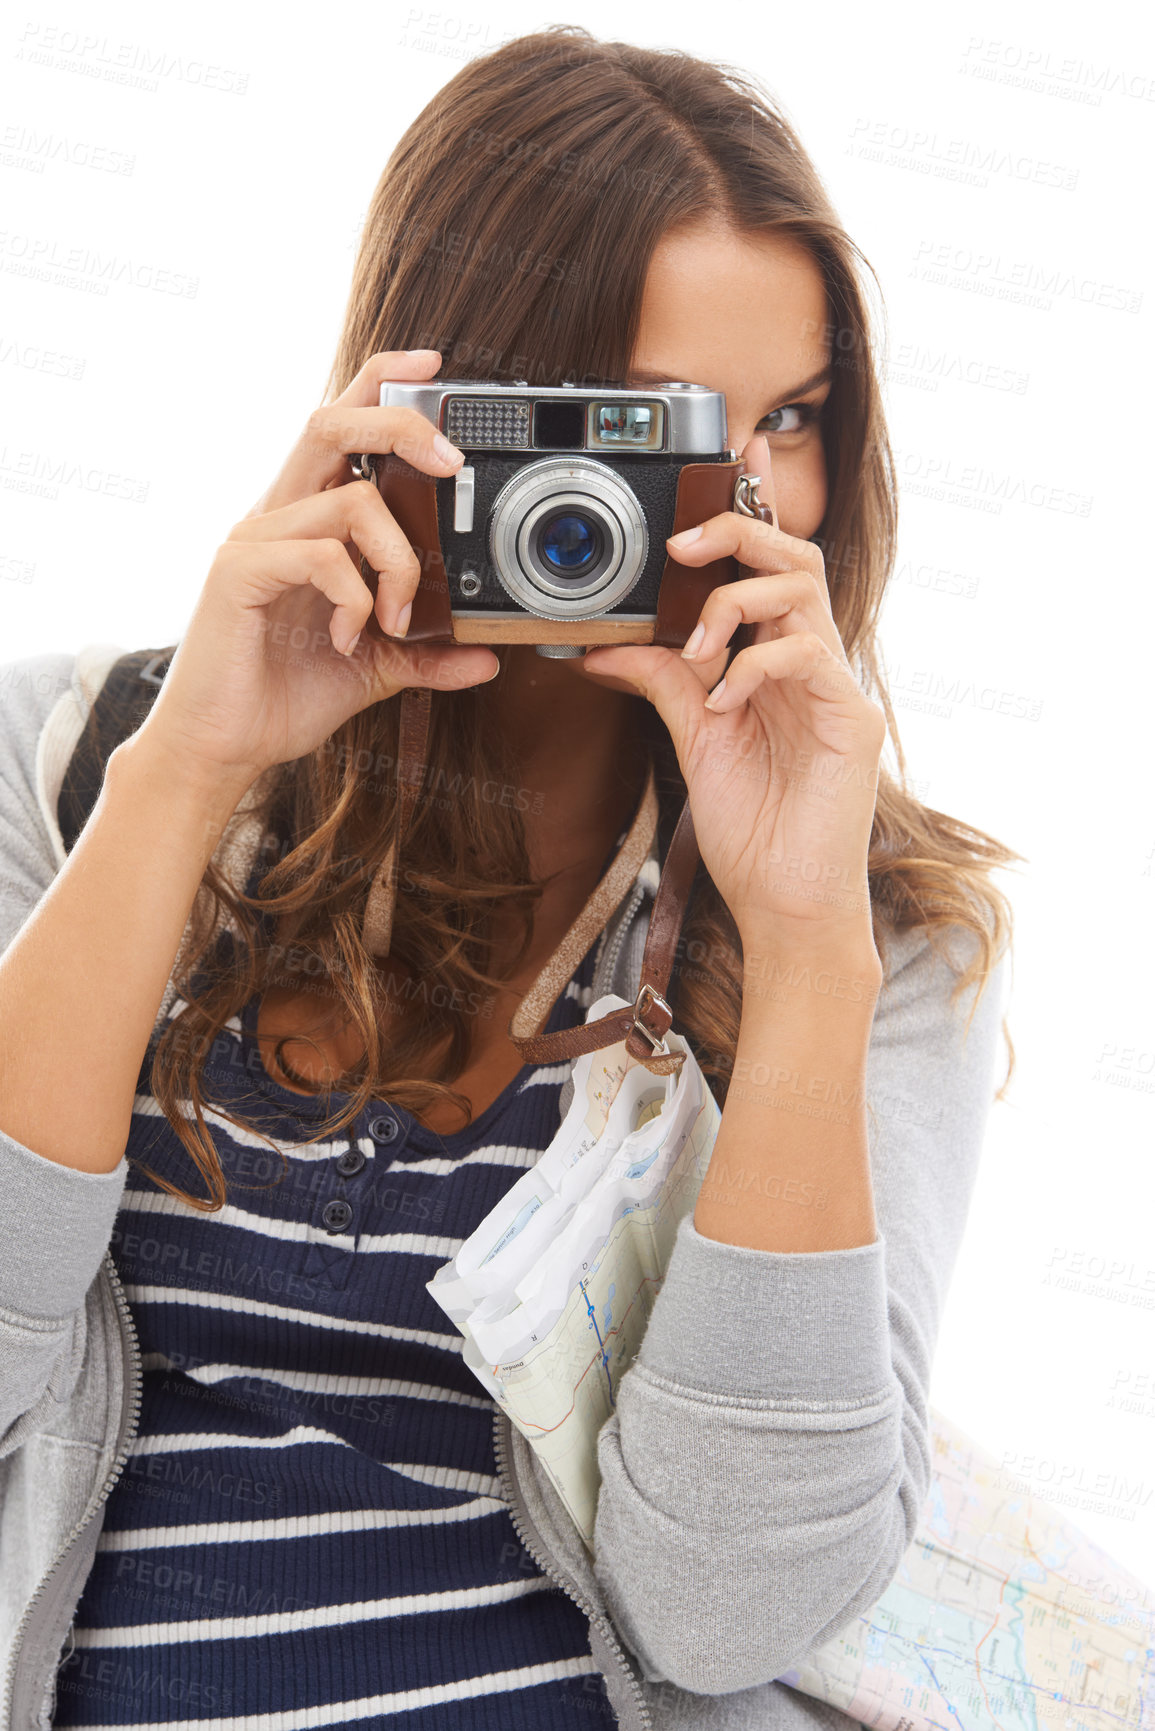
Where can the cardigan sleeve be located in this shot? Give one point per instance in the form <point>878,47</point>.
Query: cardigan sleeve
<point>58,1220</point>
<point>766,1463</point>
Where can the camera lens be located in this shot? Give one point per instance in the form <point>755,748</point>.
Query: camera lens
<point>567,537</point>
<point>569,543</point>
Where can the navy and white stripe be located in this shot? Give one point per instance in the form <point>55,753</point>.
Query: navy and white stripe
<point>309,1530</point>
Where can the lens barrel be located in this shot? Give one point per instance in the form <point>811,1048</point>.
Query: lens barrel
<point>568,537</point>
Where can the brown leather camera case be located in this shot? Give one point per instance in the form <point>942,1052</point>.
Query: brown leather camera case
<point>704,490</point>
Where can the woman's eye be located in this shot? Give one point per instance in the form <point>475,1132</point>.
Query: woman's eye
<point>804,413</point>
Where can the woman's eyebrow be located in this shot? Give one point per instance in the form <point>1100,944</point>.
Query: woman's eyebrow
<point>815,379</point>
<point>819,378</point>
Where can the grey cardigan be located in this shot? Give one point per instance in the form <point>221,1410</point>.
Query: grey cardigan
<point>765,1467</point>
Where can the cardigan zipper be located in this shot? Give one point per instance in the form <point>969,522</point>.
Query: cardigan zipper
<point>603,973</point>
<point>609,960</point>
<point>50,1585</point>
<point>528,1534</point>
<point>54,1584</point>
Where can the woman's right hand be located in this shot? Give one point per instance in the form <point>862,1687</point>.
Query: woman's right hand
<point>261,676</point>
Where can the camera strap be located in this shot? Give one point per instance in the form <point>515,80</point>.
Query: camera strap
<point>644,1025</point>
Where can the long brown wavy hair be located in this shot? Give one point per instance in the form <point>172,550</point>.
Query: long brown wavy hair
<point>512,229</point>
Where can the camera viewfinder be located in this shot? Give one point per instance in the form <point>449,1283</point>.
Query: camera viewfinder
<point>623,425</point>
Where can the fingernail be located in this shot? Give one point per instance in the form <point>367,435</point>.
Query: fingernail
<point>716,693</point>
<point>349,647</point>
<point>694,641</point>
<point>687,535</point>
<point>403,619</point>
<point>447,452</point>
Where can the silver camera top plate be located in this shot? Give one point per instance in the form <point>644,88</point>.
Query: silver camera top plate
<point>694,417</point>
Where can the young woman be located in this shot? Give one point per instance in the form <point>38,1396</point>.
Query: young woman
<point>250,1480</point>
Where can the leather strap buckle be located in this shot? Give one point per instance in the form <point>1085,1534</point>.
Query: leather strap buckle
<point>648,999</point>
<point>748,504</point>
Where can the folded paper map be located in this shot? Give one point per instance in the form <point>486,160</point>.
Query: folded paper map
<point>1003,1616</point>
<point>553,1291</point>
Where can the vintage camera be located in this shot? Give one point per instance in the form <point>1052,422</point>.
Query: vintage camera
<point>553,530</point>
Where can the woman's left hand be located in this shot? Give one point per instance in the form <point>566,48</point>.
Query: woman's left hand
<point>781,766</point>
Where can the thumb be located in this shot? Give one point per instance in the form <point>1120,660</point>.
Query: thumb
<point>657,674</point>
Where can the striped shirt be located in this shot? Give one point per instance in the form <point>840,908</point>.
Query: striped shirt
<point>309,1530</point>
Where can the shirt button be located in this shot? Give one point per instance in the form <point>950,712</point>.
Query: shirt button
<point>336,1215</point>
<point>383,1128</point>
<point>350,1162</point>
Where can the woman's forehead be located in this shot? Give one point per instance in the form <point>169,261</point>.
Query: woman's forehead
<point>718,306</point>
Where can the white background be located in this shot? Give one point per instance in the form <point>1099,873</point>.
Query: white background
<point>1024,576</point>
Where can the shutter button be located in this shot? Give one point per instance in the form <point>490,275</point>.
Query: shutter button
<point>336,1216</point>
<point>383,1129</point>
<point>350,1162</point>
